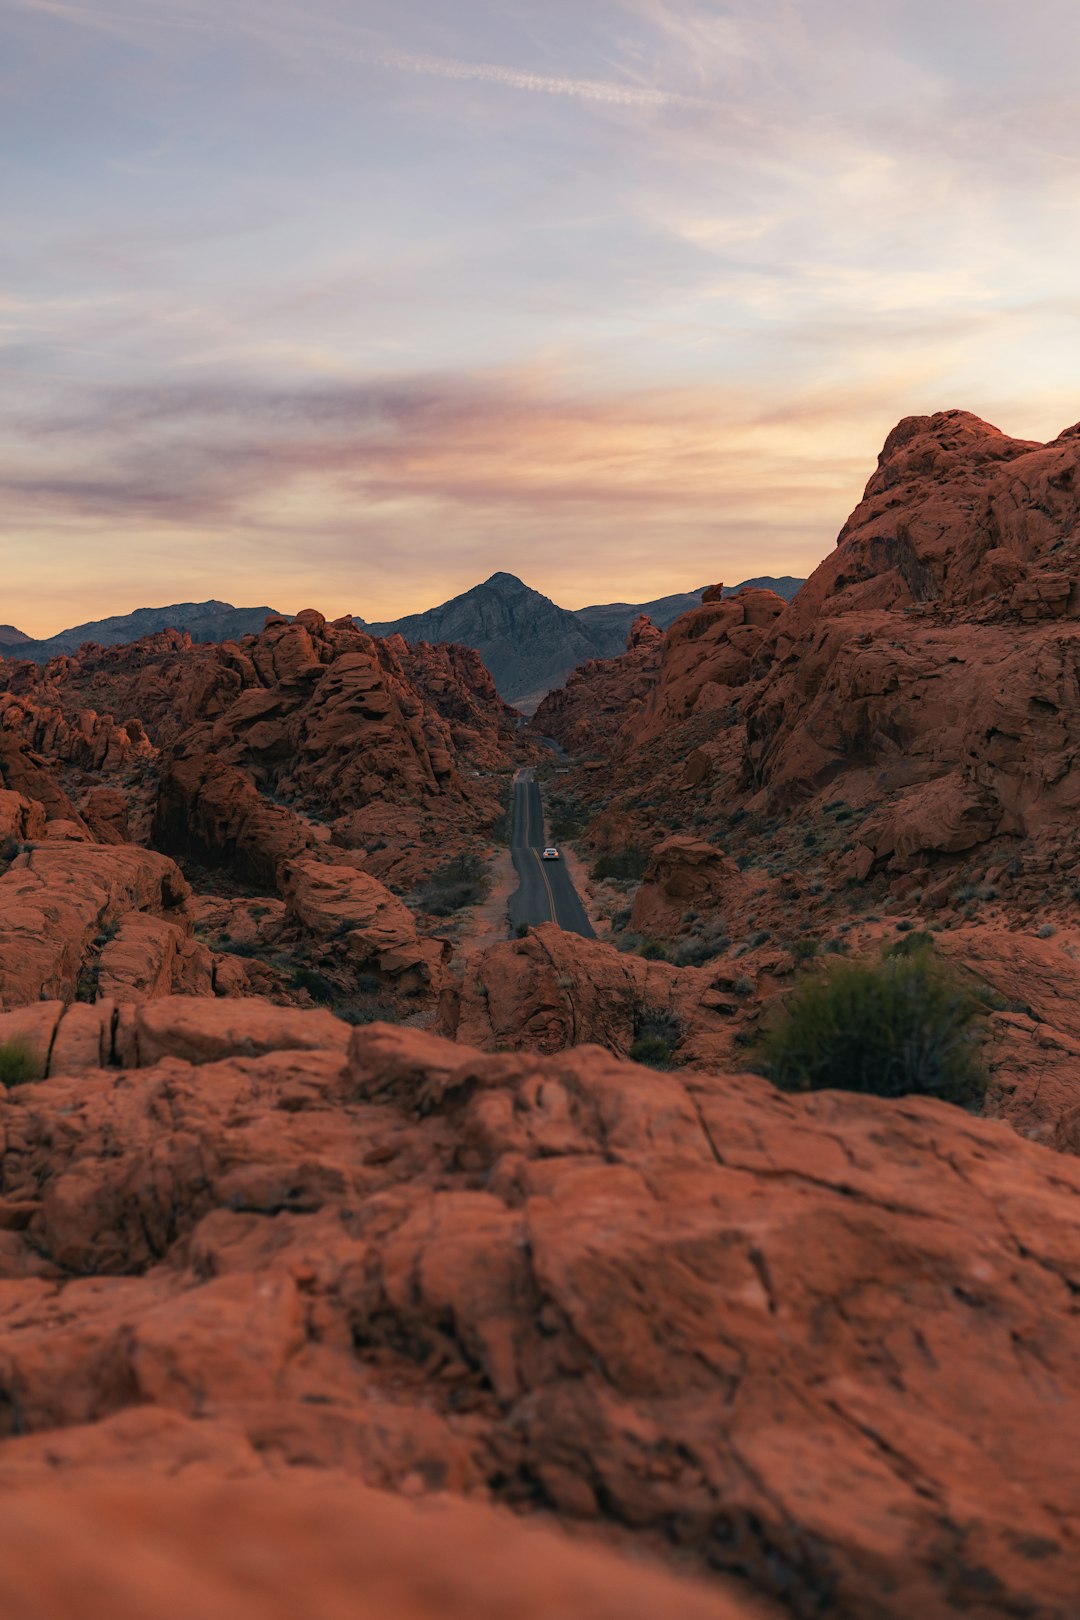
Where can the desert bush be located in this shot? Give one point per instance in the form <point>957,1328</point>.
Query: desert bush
<point>10,850</point>
<point>652,1051</point>
<point>566,824</point>
<point>657,1032</point>
<point>653,951</point>
<point>17,1063</point>
<point>1047,931</point>
<point>463,881</point>
<point>803,949</point>
<point>695,952</point>
<point>917,941</point>
<point>901,1025</point>
<point>623,865</point>
<point>317,985</point>
<point>360,1011</point>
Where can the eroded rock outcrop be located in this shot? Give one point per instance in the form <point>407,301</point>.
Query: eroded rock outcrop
<point>603,695</point>
<point>79,919</point>
<point>314,731</point>
<point>825,1343</point>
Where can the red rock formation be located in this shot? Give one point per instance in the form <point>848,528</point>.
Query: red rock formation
<point>687,873</point>
<point>80,919</point>
<point>825,1343</point>
<point>456,683</point>
<point>708,656</point>
<point>318,731</point>
<point>603,695</point>
<point>552,990</point>
<point>324,1547</point>
<point>927,655</point>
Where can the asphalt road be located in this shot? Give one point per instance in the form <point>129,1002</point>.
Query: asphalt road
<point>547,893</point>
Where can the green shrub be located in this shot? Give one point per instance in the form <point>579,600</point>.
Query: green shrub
<point>17,1063</point>
<point>317,985</point>
<point>912,942</point>
<point>803,949</point>
<point>653,1051</point>
<point>657,1032</point>
<point>902,1025</point>
<point>695,952</point>
<point>653,951</point>
<point>10,850</point>
<point>624,865</point>
<point>462,882</point>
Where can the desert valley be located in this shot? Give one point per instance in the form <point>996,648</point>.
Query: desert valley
<point>359,1170</point>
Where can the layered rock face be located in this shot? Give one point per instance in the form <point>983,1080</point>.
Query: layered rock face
<point>930,656</point>
<point>603,695</point>
<point>308,766</point>
<point>684,1313</point>
<point>312,732</point>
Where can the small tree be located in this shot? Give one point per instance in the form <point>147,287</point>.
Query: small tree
<point>902,1025</point>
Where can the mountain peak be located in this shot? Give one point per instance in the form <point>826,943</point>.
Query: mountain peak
<point>506,583</point>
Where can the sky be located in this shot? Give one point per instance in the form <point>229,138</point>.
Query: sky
<point>351,303</point>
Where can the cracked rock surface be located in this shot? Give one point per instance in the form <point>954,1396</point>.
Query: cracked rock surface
<point>826,1346</point>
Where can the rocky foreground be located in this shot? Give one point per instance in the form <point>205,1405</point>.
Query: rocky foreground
<point>825,1346</point>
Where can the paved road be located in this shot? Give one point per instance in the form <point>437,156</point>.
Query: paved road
<point>547,893</point>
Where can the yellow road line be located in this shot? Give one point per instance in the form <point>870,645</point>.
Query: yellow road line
<point>547,885</point>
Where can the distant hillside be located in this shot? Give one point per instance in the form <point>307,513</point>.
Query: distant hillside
<point>206,621</point>
<point>529,643</point>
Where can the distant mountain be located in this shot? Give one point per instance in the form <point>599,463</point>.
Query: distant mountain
<point>609,626</point>
<point>529,643</point>
<point>206,621</point>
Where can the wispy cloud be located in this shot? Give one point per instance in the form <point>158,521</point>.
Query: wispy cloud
<point>635,288</point>
<point>301,31</point>
<point>618,95</point>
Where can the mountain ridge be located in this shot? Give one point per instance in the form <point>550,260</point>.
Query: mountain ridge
<point>529,643</point>
<point>207,621</point>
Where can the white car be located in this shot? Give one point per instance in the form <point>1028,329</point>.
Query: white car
<point>550,855</point>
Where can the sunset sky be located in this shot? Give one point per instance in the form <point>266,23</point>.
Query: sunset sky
<point>350,303</point>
